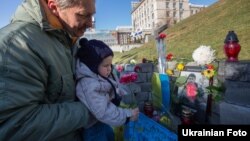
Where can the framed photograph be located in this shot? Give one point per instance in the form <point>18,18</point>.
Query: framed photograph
<point>195,78</point>
<point>192,94</point>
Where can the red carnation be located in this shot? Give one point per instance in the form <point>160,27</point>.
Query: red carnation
<point>210,66</point>
<point>169,57</point>
<point>162,35</point>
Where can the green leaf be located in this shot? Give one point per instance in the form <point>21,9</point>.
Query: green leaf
<point>215,89</point>
<point>180,81</point>
<point>217,97</point>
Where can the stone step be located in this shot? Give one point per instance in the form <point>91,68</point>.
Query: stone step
<point>234,114</point>
<point>237,93</point>
<point>146,87</point>
<point>146,67</point>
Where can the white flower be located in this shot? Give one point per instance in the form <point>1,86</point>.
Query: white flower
<point>132,61</point>
<point>204,55</point>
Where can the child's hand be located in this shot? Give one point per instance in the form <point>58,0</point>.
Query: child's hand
<point>135,114</point>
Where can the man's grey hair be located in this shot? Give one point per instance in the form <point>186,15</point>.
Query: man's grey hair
<point>63,4</point>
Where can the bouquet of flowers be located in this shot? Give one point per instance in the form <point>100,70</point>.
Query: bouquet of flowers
<point>205,56</point>
<point>128,78</point>
<point>130,88</point>
<point>128,100</point>
<point>172,64</point>
<point>215,89</point>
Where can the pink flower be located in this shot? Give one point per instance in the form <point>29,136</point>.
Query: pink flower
<point>119,68</point>
<point>191,90</point>
<point>128,78</point>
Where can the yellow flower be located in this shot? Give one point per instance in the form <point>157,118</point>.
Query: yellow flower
<point>169,72</point>
<point>180,67</point>
<point>209,73</point>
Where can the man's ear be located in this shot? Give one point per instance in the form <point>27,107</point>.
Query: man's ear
<point>53,7</point>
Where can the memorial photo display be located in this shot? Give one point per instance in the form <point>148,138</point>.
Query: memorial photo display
<point>192,95</point>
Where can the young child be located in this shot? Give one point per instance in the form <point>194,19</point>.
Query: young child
<point>97,90</point>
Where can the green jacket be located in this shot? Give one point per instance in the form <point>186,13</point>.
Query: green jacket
<point>37,88</point>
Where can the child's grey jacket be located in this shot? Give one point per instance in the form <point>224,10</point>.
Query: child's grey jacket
<point>96,93</point>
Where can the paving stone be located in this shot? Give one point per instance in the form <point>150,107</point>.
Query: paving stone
<point>146,87</point>
<point>142,77</point>
<point>215,113</point>
<point>129,99</point>
<point>146,67</point>
<point>129,67</point>
<point>134,87</point>
<point>237,92</point>
<point>149,76</point>
<point>142,96</point>
<point>239,97</point>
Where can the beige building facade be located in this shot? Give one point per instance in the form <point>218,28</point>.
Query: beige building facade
<point>149,15</point>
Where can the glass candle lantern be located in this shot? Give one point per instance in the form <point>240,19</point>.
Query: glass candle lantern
<point>148,109</point>
<point>231,47</point>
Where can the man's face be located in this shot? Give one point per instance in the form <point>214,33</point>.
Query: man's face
<point>77,19</point>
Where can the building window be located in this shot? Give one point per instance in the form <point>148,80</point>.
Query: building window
<point>167,4</point>
<point>167,14</point>
<point>181,5</point>
<point>181,15</point>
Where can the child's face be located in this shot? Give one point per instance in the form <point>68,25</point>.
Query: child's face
<point>105,67</point>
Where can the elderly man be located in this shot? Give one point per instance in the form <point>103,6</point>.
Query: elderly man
<point>37,87</point>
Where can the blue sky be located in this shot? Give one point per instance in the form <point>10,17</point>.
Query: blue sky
<point>109,13</point>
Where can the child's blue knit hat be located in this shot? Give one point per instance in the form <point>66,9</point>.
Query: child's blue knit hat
<point>92,52</point>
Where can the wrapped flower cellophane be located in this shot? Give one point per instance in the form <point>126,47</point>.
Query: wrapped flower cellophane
<point>161,51</point>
